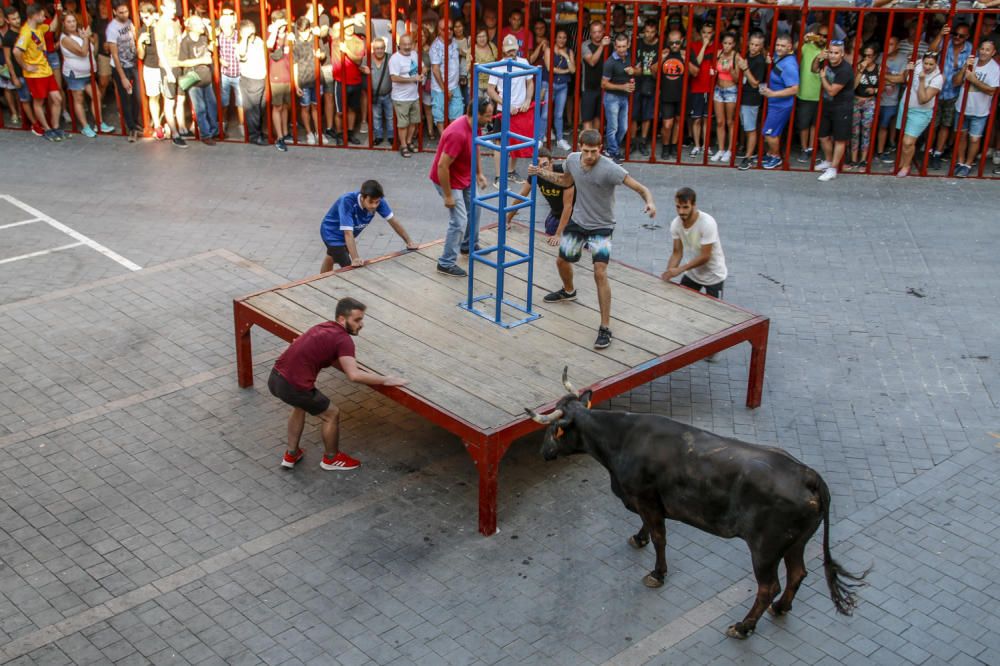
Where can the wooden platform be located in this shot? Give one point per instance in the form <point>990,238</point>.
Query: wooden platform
<point>475,378</point>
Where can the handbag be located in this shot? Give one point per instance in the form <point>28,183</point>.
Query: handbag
<point>188,81</point>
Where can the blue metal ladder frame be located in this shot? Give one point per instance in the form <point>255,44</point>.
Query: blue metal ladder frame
<point>505,70</point>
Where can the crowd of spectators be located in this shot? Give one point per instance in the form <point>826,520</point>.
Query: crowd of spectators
<point>740,87</point>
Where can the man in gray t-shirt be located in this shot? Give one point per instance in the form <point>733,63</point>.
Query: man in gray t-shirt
<point>595,178</point>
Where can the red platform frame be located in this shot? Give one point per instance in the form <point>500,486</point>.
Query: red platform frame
<point>488,446</point>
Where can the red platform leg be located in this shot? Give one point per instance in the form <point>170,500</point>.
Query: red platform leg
<point>755,383</point>
<point>487,461</point>
<point>244,353</point>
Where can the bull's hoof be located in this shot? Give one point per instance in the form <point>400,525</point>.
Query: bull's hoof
<point>650,580</point>
<point>637,541</point>
<point>776,610</point>
<point>736,631</point>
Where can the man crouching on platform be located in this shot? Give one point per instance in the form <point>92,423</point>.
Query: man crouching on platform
<point>293,381</point>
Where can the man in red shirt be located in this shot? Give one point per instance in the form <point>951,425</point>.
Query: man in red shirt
<point>451,174</point>
<point>293,381</point>
<point>701,62</point>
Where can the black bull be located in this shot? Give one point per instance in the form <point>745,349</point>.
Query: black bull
<point>663,469</point>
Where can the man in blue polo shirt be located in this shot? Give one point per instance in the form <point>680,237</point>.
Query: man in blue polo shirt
<point>348,217</point>
<point>780,91</point>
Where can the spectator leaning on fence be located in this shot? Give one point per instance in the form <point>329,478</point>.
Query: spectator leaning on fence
<point>782,86</point>
<point>406,76</point>
<point>563,69</point>
<point>122,45</point>
<point>646,53</point>
<point>954,56</point>
<point>151,77</point>
<point>671,93</point>
<point>701,60</point>
<point>895,65</point>
<point>807,106</point>
<point>522,94</point>
<point>925,84</point>
<point>445,72</point>
<point>167,35</point>
<point>29,51</point>
<point>6,75</point>
<point>195,56</point>
<point>304,74</point>
<point>77,46</point>
<point>381,94</point>
<point>618,82</point>
<point>754,68</point>
<point>837,81</point>
<point>253,82</point>
<point>280,75</point>
<point>724,97</point>
<point>982,74</point>
<point>592,55</point>
<point>863,119</point>
<point>229,68</point>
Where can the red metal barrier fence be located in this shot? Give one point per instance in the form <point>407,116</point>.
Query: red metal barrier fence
<point>862,27</point>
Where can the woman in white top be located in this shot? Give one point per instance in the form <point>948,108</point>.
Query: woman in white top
<point>77,47</point>
<point>924,87</point>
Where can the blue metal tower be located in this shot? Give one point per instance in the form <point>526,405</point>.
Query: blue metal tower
<point>503,141</point>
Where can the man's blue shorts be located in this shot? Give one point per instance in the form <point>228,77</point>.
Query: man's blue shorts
<point>776,119</point>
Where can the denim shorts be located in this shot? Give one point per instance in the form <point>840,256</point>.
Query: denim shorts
<point>886,115</point>
<point>229,86</point>
<point>748,117</point>
<point>454,105</point>
<point>307,95</point>
<point>75,83</point>
<point>974,125</point>
<point>23,94</point>
<point>725,95</point>
<point>54,61</point>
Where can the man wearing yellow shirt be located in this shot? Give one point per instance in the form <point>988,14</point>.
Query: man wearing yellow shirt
<point>29,51</point>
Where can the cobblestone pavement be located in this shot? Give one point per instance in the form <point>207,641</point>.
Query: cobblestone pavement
<point>144,518</point>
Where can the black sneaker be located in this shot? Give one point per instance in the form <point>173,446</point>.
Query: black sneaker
<point>935,161</point>
<point>329,133</point>
<point>644,148</point>
<point>560,296</point>
<point>280,145</point>
<point>378,142</point>
<point>746,163</point>
<point>664,153</point>
<point>179,142</point>
<point>452,271</point>
<point>603,338</point>
<point>804,156</point>
<point>354,139</point>
<point>515,177</point>
<point>465,250</point>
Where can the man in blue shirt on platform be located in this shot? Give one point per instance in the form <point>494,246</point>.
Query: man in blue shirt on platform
<point>348,217</point>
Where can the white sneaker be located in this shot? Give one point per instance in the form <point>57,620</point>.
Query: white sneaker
<point>716,157</point>
<point>828,174</point>
<point>364,128</point>
<point>726,156</point>
<point>311,139</point>
<point>996,158</point>
<point>563,145</point>
<point>823,165</point>
<point>695,151</point>
<point>66,116</point>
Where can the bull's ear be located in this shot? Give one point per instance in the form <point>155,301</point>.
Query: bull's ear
<point>585,398</point>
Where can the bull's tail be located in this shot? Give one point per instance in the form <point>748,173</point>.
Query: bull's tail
<point>841,582</point>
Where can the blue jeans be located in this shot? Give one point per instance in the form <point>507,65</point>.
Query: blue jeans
<point>459,226</point>
<point>560,92</point>
<point>382,116</point>
<point>543,115</point>
<point>206,110</point>
<point>230,86</point>
<point>616,119</point>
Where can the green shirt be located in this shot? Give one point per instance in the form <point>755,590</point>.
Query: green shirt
<point>809,85</point>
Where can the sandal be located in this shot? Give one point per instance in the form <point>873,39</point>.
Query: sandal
<point>405,151</point>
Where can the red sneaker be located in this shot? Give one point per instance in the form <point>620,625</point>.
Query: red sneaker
<point>340,463</point>
<point>158,133</point>
<point>289,460</point>
<point>37,130</point>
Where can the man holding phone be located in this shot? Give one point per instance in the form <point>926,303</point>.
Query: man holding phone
<point>837,81</point>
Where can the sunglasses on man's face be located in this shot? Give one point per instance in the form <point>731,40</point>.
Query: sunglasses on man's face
<point>959,35</point>
<point>676,41</point>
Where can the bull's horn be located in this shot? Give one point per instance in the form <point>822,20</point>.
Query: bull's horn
<point>569,387</point>
<point>544,419</point>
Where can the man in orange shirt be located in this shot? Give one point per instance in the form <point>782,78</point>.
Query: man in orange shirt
<point>29,51</point>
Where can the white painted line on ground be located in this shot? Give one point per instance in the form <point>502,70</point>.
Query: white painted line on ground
<point>84,240</point>
<point>40,253</point>
<point>18,224</point>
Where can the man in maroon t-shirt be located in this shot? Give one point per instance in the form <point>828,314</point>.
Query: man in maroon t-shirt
<point>293,381</point>
<point>701,63</point>
<point>451,173</point>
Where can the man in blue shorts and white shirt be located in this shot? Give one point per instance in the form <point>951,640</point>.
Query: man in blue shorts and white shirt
<point>348,217</point>
<point>780,91</point>
<point>595,178</point>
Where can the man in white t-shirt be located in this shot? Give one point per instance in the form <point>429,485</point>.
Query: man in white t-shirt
<point>696,243</point>
<point>522,93</point>
<point>404,70</point>
<point>983,76</point>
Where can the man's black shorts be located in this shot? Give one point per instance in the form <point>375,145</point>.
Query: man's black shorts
<point>353,96</point>
<point>313,402</point>
<point>836,121</point>
<point>805,113</point>
<point>698,105</point>
<point>669,110</point>
<point>340,255</point>
<point>713,290</point>
<point>170,90</point>
<point>590,105</point>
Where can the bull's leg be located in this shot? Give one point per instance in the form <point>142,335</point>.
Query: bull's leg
<point>640,538</point>
<point>654,526</point>
<point>795,573</point>
<point>767,588</point>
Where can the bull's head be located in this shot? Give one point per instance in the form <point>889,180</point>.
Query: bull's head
<point>562,436</point>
